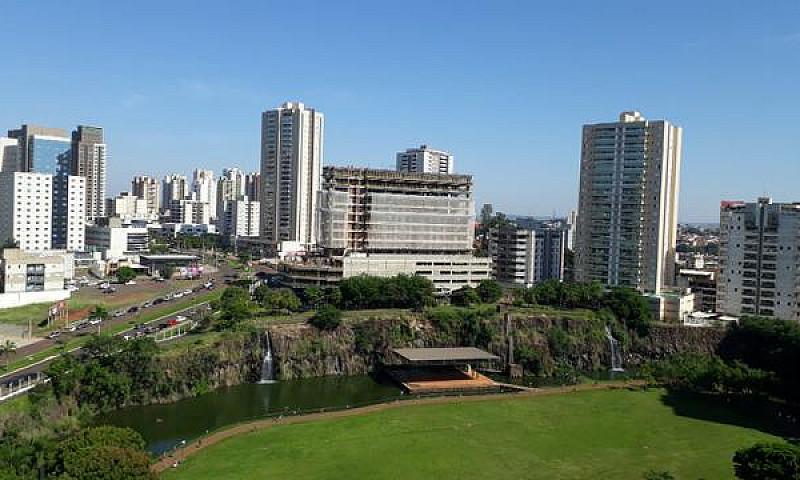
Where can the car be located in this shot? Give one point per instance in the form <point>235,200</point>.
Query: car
<point>127,336</point>
<point>177,295</point>
<point>95,321</point>
<point>104,285</point>
<point>109,290</point>
<point>158,301</point>
<point>209,284</point>
<point>168,297</point>
<point>187,292</point>
<point>130,282</point>
<point>180,318</point>
<point>147,304</point>
<point>160,279</point>
<point>133,309</point>
<point>72,328</point>
<point>53,335</point>
<point>119,313</point>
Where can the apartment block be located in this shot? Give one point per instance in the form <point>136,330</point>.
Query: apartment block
<point>628,203</point>
<point>425,160</point>
<point>291,166</point>
<point>240,218</point>
<point>758,268</point>
<point>190,211</point>
<point>526,255</point>
<point>148,189</point>
<point>173,187</point>
<point>89,160</point>
<point>25,209</point>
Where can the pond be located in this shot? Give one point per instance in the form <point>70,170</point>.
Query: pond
<point>164,426</point>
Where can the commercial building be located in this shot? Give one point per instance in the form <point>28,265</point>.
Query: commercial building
<point>25,209</point>
<point>39,148</point>
<point>174,187</point>
<point>69,213</point>
<point>384,223</point>
<point>33,277</point>
<point>9,155</point>
<point>524,255</point>
<point>148,189</point>
<point>758,269</point>
<point>114,240</point>
<point>628,203</point>
<point>425,160</point>
<point>240,218</point>
<point>89,160</point>
<point>291,165</point>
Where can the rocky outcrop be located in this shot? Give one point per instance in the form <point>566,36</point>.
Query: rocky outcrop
<point>667,340</point>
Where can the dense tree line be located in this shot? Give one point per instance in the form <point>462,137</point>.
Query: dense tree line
<point>402,291</point>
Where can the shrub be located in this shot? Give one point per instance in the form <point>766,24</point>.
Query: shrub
<point>327,318</point>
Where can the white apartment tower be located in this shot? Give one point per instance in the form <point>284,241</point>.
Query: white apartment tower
<point>174,187</point>
<point>148,189</point>
<point>291,172</point>
<point>526,255</point>
<point>232,185</point>
<point>205,189</point>
<point>758,269</point>
<point>25,210</point>
<point>628,203</point>
<point>425,160</point>
<point>89,160</point>
<point>240,218</point>
<point>69,224</point>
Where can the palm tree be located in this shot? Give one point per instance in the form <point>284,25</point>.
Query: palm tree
<point>7,349</point>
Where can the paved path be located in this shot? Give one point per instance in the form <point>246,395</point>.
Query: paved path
<point>218,436</point>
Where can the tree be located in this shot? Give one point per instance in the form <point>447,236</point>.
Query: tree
<point>282,299</point>
<point>167,271</point>
<point>125,274</point>
<point>768,461</point>
<point>235,307</point>
<point>260,294</point>
<point>464,297</point>
<point>489,290</point>
<point>101,453</point>
<point>7,349</point>
<point>100,312</point>
<point>631,308</point>
<point>327,318</point>
<point>314,296</point>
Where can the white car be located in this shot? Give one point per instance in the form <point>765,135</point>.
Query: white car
<point>187,292</point>
<point>180,318</point>
<point>177,295</point>
<point>95,321</point>
<point>130,282</point>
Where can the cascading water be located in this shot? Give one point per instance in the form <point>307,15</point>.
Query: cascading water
<point>267,367</point>
<point>616,354</point>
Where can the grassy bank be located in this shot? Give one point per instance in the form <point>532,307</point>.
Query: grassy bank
<point>599,434</point>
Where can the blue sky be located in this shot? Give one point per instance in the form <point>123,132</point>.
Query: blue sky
<point>505,86</point>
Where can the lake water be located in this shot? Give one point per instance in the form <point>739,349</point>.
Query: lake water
<point>165,426</point>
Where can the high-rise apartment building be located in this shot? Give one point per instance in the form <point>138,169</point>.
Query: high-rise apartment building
<point>204,188</point>
<point>230,186</point>
<point>252,185</point>
<point>526,255</point>
<point>425,160</point>
<point>291,167</point>
<point>9,155</point>
<point>89,159</point>
<point>25,209</point>
<point>174,187</point>
<point>628,203</point>
<point>69,213</point>
<point>758,269</point>
<point>190,211</point>
<point>148,189</point>
<point>240,218</point>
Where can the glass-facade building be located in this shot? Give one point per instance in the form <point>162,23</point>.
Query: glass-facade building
<point>49,155</point>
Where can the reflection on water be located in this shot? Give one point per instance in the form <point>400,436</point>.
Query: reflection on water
<point>165,426</point>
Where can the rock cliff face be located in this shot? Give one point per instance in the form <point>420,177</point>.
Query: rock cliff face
<point>302,351</point>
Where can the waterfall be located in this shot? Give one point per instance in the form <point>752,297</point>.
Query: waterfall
<point>267,367</point>
<point>616,354</point>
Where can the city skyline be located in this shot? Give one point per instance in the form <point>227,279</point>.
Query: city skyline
<point>510,57</point>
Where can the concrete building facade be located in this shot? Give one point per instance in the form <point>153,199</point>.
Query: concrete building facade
<point>628,203</point>
<point>25,210</point>
<point>291,167</point>
<point>758,267</point>
<point>173,187</point>
<point>425,160</point>
<point>524,256</point>
<point>148,189</point>
<point>240,218</point>
<point>9,155</point>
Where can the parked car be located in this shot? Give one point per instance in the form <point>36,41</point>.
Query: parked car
<point>147,304</point>
<point>177,295</point>
<point>53,335</point>
<point>133,309</point>
<point>119,313</point>
<point>95,321</point>
<point>130,282</point>
<point>187,291</point>
<point>158,301</point>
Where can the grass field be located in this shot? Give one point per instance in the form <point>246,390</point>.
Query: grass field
<point>597,435</point>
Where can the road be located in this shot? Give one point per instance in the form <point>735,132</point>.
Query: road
<point>65,337</point>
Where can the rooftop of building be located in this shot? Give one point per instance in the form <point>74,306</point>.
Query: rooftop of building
<point>451,354</point>
<point>394,175</point>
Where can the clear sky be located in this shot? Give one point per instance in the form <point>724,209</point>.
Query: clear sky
<point>505,86</point>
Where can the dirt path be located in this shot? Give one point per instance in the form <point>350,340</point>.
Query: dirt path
<point>218,436</point>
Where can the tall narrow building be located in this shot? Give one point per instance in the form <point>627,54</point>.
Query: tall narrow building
<point>291,172</point>
<point>9,155</point>
<point>628,203</point>
<point>89,161</point>
<point>204,188</point>
<point>148,189</point>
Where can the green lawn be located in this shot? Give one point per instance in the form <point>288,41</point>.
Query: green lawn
<point>594,435</point>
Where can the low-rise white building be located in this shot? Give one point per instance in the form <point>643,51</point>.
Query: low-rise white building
<point>114,241</point>
<point>240,218</point>
<point>33,277</point>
